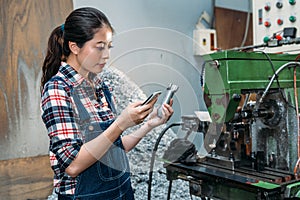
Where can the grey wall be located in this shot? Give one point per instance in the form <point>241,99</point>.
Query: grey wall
<point>154,45</point>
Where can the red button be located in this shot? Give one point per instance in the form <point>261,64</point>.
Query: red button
<point>278,37</point>
<point>267,24</point>
<point>279,21</point>
<point>267,7</point>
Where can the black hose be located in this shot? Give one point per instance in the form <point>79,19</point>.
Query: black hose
<point>276,75</point>
<point>296,64</point>
<point>169,190</point>
<point>154,154</point>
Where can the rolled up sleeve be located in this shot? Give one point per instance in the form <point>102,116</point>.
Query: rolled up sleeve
<point>58,117</point>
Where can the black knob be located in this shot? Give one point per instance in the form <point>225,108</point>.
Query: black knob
<point>279,4</point>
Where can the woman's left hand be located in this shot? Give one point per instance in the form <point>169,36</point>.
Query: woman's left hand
<point>167,112</point>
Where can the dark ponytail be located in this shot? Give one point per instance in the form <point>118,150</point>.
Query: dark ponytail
<point>79,27</point>
<point>54,55</point>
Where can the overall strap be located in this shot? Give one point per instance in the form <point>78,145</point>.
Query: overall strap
<point>109,98</point>
<point>82,112</point>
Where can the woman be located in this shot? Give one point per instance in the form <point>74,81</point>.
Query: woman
<point>87,152</point>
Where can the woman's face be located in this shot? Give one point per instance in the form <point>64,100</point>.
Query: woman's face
<point>94,54</point>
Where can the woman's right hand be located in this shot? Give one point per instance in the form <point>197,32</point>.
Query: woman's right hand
<point>133,114</point>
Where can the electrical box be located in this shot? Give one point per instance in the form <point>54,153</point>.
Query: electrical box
<point>205,41</point>
<point>271,17</point>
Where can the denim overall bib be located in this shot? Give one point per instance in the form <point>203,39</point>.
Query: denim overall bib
<point>109,177</point>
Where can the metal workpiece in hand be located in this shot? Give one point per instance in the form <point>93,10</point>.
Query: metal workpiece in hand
<point>171,89</point>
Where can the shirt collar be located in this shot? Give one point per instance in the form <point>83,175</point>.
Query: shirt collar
<point>74,78</point>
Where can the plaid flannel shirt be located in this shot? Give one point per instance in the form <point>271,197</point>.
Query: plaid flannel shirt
<point>59,113</point>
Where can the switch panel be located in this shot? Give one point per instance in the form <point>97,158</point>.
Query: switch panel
<point>271,17</point>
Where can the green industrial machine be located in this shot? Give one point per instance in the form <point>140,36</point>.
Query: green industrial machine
<point>252,139</point>
<point>229,74</point>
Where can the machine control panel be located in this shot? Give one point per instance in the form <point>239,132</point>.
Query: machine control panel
<point>270,17</point>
